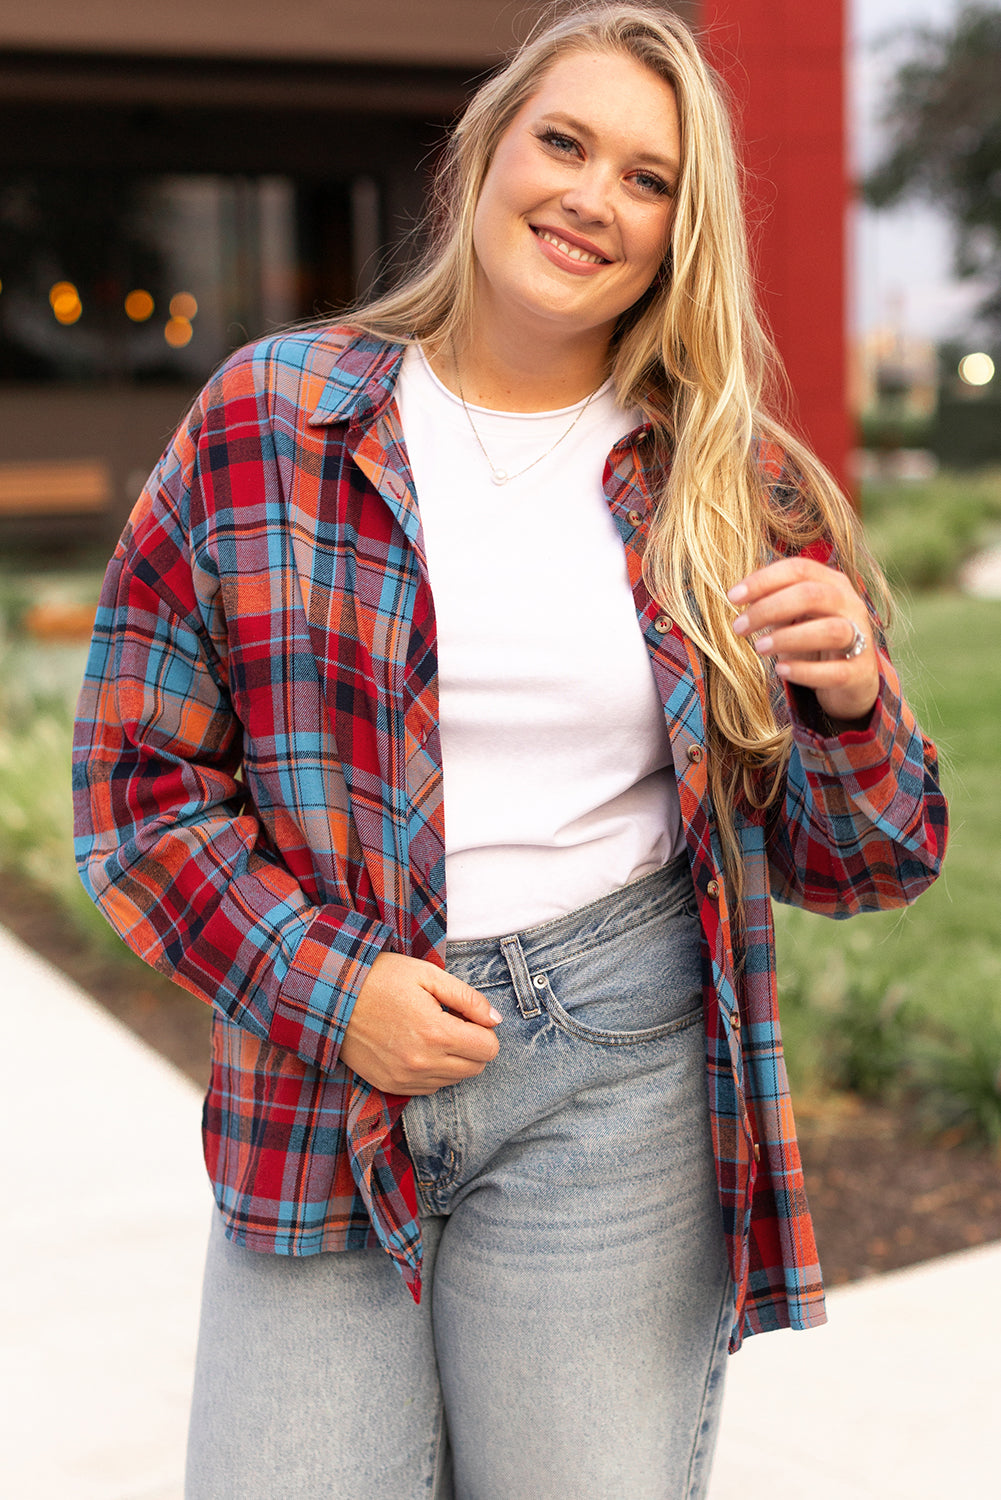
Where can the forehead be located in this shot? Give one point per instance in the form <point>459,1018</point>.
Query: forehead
<point>609,91</point>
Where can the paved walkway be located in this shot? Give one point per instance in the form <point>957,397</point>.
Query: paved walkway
<point>106,1213</point>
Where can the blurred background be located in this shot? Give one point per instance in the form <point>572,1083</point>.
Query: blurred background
<point>176,180</point>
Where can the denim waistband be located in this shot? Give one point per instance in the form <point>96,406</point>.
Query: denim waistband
<point>623,910</point>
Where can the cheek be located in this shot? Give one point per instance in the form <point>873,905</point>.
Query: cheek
<point>651,247</point>
<point>493,211</point>
<point>485,229</point>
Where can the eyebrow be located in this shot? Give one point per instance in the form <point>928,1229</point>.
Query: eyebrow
<point>667,164</point>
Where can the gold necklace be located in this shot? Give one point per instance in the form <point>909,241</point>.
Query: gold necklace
<point>501,476</point>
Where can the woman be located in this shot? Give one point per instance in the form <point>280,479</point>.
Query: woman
<point>524,530</point>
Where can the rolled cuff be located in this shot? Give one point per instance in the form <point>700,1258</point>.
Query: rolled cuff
<point>319,990</point>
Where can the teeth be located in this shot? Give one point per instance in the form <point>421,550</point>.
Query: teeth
<point>574,251</point>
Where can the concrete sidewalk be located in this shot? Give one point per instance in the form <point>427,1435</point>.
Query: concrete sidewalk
<point>107,1208</point>
<point>107,1212</point>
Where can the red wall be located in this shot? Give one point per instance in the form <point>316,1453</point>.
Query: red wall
<point>784,63</point>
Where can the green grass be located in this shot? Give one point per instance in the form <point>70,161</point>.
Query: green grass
<point>880,1003</point>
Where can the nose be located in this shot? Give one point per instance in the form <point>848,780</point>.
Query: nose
<point>589,197</point>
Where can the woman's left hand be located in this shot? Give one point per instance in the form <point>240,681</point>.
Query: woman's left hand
<point>805,615</point>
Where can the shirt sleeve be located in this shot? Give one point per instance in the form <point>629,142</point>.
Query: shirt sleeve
<point>863,823</point>
<point>167,841</point>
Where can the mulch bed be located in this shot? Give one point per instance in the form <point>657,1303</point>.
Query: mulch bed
<point>882,1195</point>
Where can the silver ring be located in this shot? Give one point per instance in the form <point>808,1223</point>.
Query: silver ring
<point>858,645</point>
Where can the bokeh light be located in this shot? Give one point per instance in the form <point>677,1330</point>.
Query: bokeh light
<point>183,305</point>
<point>64,299</point>
<point>139,305</point>
<point>976,369</point>
<point>178,332</point>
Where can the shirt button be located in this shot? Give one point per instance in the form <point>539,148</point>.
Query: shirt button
<point>695,754</point>
<point>712,889</point>
<point>662,624</point>
<point>634,518</point>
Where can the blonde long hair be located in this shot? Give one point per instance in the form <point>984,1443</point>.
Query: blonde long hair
<point>693,356</point>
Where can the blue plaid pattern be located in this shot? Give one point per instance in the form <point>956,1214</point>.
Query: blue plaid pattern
<point>259,812</point>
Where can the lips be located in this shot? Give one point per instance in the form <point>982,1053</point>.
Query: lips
<point>574,248</point>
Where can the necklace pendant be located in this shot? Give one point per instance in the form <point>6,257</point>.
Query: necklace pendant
<point>501,476</point>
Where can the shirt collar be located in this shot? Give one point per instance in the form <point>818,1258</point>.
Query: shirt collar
<point>361,381</point>
<point>363,377</point>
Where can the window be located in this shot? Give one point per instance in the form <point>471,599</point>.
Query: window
<point>105,277</point>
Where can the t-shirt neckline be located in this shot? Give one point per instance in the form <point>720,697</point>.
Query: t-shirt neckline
<point>492,411</point>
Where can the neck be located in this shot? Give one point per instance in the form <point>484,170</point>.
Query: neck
<point>507,372</point>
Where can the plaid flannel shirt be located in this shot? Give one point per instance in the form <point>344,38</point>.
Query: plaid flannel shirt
<point>258,793</point>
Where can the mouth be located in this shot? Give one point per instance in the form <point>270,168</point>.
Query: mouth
<point>573,249</point>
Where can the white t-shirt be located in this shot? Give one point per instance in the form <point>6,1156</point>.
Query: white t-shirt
<point>558,781</point>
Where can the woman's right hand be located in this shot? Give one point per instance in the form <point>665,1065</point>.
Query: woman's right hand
<point>416,1028</point>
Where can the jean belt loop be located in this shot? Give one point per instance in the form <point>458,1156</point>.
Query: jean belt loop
<point>521,979</point>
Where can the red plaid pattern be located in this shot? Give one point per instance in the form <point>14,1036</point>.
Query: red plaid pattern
<point>259,812</point>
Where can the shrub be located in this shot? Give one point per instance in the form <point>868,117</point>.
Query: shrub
<point>922,532</point>
<point>960,1083</point>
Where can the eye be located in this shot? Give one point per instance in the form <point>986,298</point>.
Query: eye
<point>559,141</point>
<point>649,182</point>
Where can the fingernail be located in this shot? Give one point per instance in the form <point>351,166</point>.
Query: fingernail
<point>763,643</point>
<point>741,624</point>
<point>495,1015</point>
<point>738,592</point>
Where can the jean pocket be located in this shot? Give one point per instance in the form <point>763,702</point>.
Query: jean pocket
<point>638,988</point>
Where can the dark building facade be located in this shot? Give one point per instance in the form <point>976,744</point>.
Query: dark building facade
<point>175,182</point>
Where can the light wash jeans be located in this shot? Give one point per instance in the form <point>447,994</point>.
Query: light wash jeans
<point>571,1340</point>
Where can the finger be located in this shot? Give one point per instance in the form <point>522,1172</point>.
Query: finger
<point>811,600</point>
<point>842,691</point>
<point>779,575</point>
<point>834,634</point>
<point>450,1070</point>
<point>461,999</point>
<point>430,1056</point>
<point>466,1041</point>
<point>425,1068</point>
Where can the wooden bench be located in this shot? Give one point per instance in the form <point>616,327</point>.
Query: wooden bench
<point>60,488</point>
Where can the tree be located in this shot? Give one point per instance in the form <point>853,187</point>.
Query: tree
<point>944,119</point>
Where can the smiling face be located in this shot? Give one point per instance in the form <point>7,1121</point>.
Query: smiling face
<point>574,216</point>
